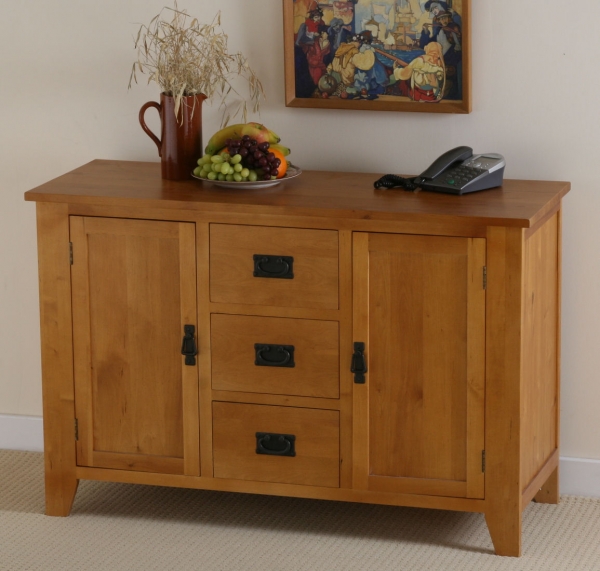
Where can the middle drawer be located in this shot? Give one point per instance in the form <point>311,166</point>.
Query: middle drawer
<point>275,355</point>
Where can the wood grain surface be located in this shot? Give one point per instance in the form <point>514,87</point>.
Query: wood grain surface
<point>348,195</point>
<point>315,266</point>
<point>317,433</point>
<point>135,284</point>
<point>316,355</point>
<point>424,331</point>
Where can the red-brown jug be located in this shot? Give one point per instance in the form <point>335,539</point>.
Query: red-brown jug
<point>180,143</point>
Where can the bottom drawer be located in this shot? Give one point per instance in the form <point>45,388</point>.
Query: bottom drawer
<point>276,444</point>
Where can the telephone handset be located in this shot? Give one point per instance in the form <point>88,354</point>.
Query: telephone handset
<point>444,161</point>
<point>457,171</point>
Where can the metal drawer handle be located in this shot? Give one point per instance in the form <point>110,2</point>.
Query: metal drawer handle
<point>281,267</point>
<point>275,444</point>
<point>278,355</point>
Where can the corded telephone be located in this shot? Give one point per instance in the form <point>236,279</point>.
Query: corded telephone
<point>457,171</point>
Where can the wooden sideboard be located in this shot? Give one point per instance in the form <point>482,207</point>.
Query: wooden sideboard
<point>352,344</point>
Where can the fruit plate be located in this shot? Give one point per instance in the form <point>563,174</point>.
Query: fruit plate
<point>292,172</point>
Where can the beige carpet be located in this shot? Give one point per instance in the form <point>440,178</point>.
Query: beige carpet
<point>118,526</point>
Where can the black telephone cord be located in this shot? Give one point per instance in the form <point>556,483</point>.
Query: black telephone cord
<point>394,181</point>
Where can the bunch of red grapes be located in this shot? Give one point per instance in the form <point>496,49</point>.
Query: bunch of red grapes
<point>255,156</point>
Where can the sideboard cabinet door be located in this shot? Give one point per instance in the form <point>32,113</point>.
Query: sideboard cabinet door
<point>134,289</point>
<point>419,304</point>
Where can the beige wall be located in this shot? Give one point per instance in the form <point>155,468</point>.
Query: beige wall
<point>64,69</point>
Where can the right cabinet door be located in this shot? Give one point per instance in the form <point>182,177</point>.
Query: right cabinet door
<point>419,307</point>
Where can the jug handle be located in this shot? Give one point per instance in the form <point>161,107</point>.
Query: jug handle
<point>145,127</point>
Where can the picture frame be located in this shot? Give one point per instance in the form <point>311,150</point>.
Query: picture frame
<point>380,55</point>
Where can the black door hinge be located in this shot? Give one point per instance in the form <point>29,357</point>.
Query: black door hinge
<point>76,429</point>
<point>484,277</point>
<point>483,460</point>
<point>71,253</point>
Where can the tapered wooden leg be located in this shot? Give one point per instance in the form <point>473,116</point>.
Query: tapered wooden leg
<point>57,357</point>
<point>60,496</point>
<point>549,493</point>
<point>505,530</point>
<point>503,488</point>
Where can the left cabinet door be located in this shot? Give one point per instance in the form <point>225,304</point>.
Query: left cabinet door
<point>134,290</point>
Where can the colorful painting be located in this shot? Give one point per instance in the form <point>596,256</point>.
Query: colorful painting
<point>408,55</point>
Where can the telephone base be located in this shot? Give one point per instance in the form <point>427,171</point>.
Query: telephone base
<point>450,186</point>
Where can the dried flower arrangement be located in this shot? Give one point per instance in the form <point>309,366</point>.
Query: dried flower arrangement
<point>185,57</point>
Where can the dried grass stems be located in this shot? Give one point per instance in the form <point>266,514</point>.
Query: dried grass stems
<point>185,57</point>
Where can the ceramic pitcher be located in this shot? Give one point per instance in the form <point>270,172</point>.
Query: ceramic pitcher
<point>180,143</point>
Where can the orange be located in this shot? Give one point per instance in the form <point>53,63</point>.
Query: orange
<point>283,166</point>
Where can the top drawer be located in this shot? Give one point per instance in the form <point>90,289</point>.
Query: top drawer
<point>284,267</point>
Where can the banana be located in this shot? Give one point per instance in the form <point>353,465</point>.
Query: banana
<point>217,141</point>
<point>261,133</point>
<point>254,130</point>
<point>275,138</point>
<point>285,151</point>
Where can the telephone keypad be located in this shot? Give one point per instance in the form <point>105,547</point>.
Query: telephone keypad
<point>462,175</point>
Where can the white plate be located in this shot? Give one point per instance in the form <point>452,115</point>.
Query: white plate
<point>292,172</point>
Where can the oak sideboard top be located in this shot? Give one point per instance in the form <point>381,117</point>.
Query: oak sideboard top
<point>519,203</point>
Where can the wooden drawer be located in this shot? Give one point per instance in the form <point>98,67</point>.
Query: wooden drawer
<point>237,253</point>
<point>316,444</point>
<point>275,355</point>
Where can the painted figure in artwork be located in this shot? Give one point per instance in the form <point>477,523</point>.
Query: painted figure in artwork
<point>445,29</point>
<point>316,55</point>
<point>312,47</point>
<point>449,36</point>
<point>314,23</point>
<point>379,49</point>
<point>426,74</point>
<point>339,34</point>
<point>356,70</point>
<point>435,7</point>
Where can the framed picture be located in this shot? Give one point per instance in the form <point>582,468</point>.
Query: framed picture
<point>387,55</point>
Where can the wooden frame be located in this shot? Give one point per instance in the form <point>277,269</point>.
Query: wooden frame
<point>316,78</point>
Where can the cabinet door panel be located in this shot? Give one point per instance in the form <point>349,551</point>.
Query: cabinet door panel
<point>134,284</point>
<point>420,307</point>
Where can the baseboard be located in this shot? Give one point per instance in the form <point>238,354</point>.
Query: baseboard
<point>578,476</point>
<point>21,433</point>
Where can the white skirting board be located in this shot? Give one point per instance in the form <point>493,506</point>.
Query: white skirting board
<point>578,476</point>
<point>21,433</point>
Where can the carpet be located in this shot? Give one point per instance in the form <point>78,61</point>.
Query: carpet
<point>130,527</point>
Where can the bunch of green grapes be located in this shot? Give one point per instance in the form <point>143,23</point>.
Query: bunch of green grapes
<point>224,167</point>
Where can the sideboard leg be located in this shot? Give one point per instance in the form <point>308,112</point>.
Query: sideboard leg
<point>60,494</point>
<point>549,493</point>
<point>57,357</point>
<point>505,530</point>
<point>504,312</point>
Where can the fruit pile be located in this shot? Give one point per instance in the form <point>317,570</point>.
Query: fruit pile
<point>244,152</point>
